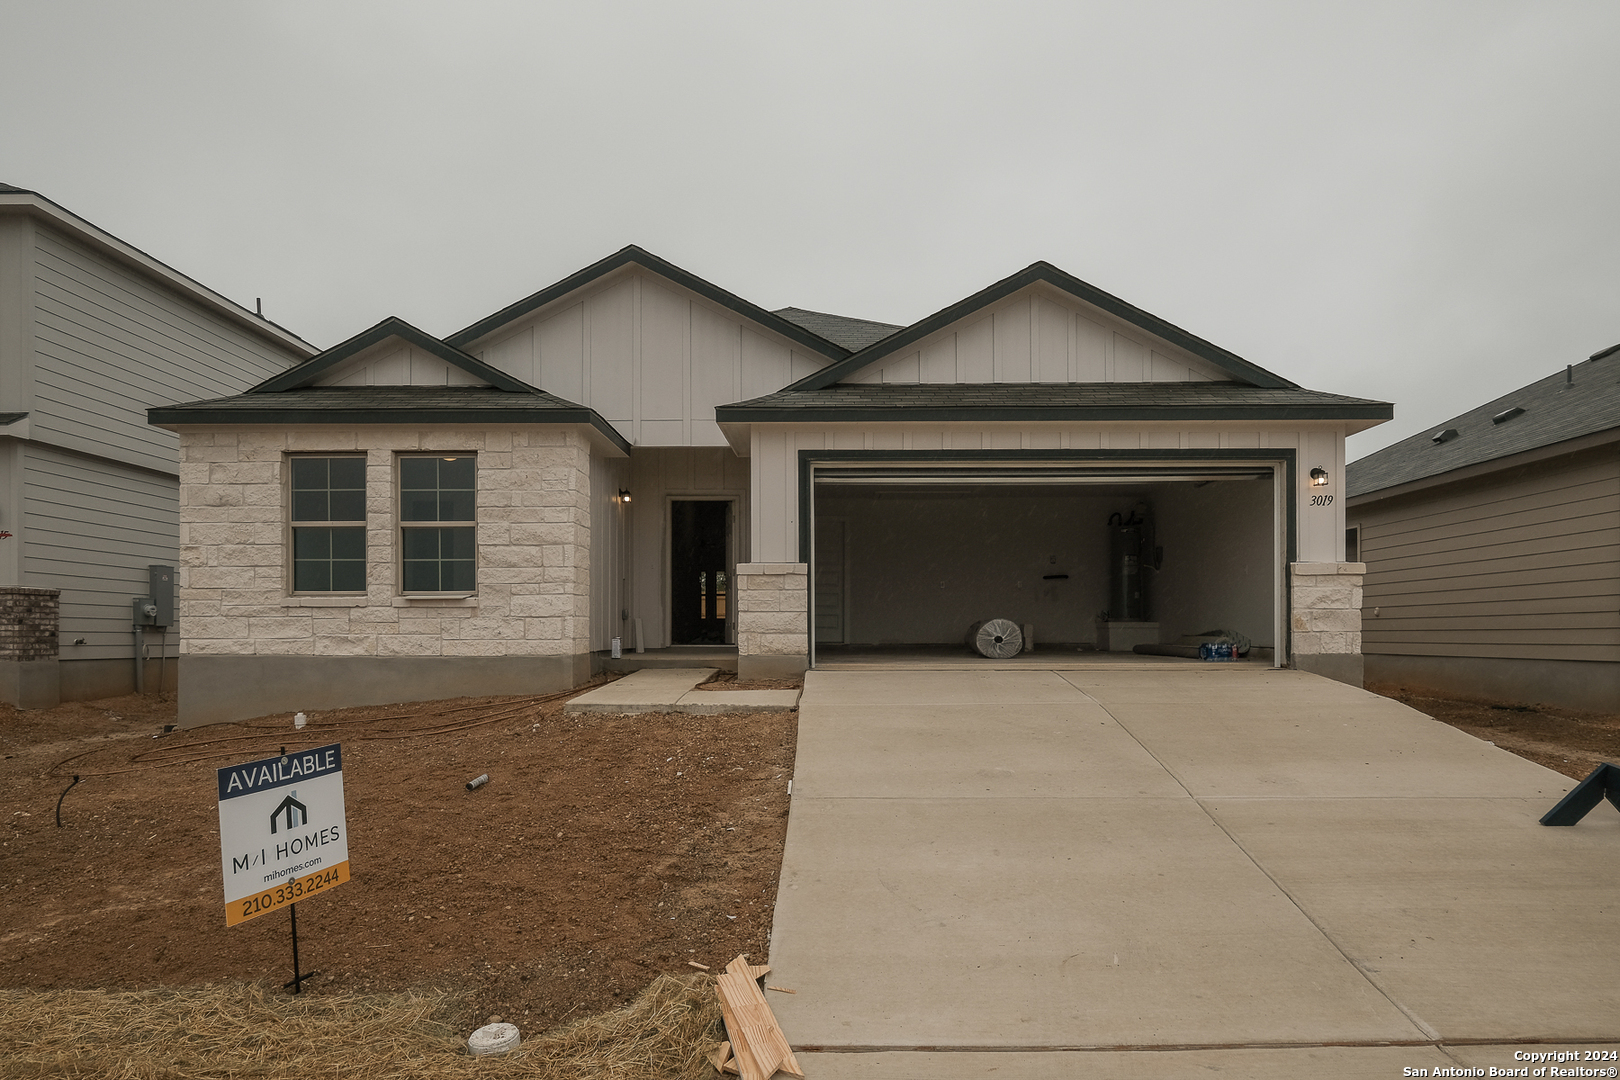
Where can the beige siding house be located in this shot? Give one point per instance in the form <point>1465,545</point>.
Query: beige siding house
<point>1492,545</point>
<point>636,455</point>
<point>93,332</point>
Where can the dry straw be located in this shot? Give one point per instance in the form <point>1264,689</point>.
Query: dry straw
<point>248,1031</point>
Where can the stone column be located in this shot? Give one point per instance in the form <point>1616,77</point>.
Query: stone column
<point>30,621</point>
<point>773,620</point>
<point>1325,619</point>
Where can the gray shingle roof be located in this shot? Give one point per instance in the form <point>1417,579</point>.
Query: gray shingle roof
<point>852,334</point>
<point>387,405</point>
<point>1582,400</point>
<point>1049,401</point>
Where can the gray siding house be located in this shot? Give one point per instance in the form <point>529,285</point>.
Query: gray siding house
<point>93,332</point>
<point>635,453</point>
<point>1492,546</point>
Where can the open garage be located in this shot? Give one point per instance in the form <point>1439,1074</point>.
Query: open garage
<point>1078,555</point>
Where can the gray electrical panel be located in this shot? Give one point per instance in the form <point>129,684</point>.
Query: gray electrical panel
<point>162,594</point>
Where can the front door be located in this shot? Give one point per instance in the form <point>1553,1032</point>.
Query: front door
<point>698,571</point>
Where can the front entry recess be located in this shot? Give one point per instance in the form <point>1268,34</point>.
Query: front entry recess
<point>698,571</point>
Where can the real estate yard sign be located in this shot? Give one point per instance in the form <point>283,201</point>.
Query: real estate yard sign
<point>282,834</point>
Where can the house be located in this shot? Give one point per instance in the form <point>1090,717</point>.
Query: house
<point>634,453</point>
<point>93,332</point>
<point>1492,545</point>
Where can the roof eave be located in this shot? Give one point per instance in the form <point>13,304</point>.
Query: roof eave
<point>37,205</point>
<point>176,418</point>
<point>733,414</point>
<point>1484,468</point>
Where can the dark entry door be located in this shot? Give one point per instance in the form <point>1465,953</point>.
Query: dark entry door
<point>697,571</point>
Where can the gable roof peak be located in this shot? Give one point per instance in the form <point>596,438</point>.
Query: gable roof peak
<point>305,374</point>
<point>1240,369</point>
<point>646,260</point>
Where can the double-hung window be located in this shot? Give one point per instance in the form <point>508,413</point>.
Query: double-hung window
<point>328,524</point>
<point>437,511</point>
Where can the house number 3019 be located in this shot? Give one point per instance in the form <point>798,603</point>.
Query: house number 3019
<point>1321,500</point>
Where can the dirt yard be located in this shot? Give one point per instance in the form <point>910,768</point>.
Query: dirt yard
<point>1564,740</point>
<point>602,852</point>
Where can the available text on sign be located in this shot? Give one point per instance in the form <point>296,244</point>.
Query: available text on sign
<point>282,834</point>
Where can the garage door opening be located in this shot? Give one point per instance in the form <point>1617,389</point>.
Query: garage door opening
<point>913,561</point>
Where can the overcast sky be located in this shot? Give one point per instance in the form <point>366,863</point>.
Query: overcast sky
<point>1416,202</point>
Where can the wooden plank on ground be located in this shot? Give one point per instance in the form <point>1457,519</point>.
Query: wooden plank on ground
<point>719,1056</point>
<point>760,1030</point>
<point>749,1064</point>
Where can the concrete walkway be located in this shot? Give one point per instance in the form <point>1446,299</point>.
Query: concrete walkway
<point>666,690</point>
<point>1151,872</point>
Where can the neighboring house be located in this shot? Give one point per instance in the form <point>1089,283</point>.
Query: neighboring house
<point>634,452</point>
<point>1492,546</point>
<point>92,333</point>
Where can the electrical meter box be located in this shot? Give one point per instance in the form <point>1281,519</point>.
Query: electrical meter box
<point>162,594</point>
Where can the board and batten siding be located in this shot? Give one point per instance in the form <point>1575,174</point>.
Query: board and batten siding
<point>109,343</point>
<point>610,553</point>
<point>1523,564</point>
<point>652,358</point>
<point>1040,336</point>
<point>393,363</point>
<point>93,529</point>
<point>774,461</point>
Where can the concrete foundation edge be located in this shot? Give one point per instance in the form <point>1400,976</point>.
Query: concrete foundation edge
<point>219,689</point>
<point>1571,684</point>
<point>30,684</point>
<point>1340,667</point>
<point>91,680</point>
<point>771,667</point>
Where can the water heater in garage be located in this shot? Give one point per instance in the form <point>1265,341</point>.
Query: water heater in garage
<point>1130,547</point>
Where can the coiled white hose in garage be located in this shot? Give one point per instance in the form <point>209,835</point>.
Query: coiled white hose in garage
<point>998,639</point>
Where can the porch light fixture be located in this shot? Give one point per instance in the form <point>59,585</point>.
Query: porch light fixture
<point>1319,477</point>
<point>624,495</point>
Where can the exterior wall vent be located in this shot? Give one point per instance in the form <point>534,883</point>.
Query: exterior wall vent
<point>1446,435</point>
<point>1506,415</point>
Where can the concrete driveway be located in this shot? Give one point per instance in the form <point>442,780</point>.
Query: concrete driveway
<point>1147,871</point>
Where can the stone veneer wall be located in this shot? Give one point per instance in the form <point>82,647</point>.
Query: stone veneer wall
<point>248,647</point>
<point>1325,619</point>
<point>773,620</point>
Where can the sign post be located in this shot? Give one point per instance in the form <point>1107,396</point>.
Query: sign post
<point>283,836</point>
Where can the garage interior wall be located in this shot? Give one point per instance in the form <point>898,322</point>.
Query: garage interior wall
<point>920,565</point>
<point>1219,559</point>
